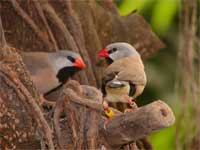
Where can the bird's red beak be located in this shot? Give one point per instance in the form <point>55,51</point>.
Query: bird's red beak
<point>79,63</point>
<point>103,53</point>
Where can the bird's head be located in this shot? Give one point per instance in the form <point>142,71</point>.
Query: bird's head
<point>69,59</point>
<point>66,64</point>
<point>117,51</point>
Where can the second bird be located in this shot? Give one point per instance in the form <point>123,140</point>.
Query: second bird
<point>124,79</point>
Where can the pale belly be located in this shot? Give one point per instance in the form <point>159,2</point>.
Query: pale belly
<point>117,94</point>
<point>45,83</point>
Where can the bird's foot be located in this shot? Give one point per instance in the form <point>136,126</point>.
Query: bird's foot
<point>133,106</point>
<point>108,112</point>
<point>131,103</point>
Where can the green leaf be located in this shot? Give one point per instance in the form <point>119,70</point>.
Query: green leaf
<point>127,6</point>
<point>164,139</point>
<point>163,14</point>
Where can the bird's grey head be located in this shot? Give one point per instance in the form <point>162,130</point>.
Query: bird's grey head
<point>64,58</point>
<point>117,51</point>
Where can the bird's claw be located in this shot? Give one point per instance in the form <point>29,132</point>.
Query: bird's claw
<point>133,106</point>
<point>108,112</point>
<point>131,103</point>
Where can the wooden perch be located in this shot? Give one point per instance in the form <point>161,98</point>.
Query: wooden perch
<point>133,126</point>
<point>123,128</point>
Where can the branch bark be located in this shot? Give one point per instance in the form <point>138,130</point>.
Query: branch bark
<point>138,124</point>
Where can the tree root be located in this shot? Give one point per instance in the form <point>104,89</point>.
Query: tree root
<point>41,13</point>
<point>31,23</point>
<point>29,102</point>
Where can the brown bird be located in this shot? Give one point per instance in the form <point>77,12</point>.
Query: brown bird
<point>124,79</point>
<point>50,70</point>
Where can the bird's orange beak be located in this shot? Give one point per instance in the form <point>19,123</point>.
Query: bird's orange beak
<point>79,63</point>
<point>103,53</point>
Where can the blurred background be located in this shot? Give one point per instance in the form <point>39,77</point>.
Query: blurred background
<point>166,69</point>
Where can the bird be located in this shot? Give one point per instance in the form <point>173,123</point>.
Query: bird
<point>50,70</point>
<point>114,84</point>
<point>124,79</point>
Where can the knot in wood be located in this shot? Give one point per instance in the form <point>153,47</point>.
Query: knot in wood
<point>163,112</point>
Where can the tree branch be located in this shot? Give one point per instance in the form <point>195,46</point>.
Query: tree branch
<point>137,124</point>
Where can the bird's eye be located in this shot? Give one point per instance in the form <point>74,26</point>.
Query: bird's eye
<point>71,58</point>
<point>112,50</point>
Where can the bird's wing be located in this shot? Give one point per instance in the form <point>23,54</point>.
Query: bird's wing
<point>106,78</point>
<point>36,61</point>
<point>115,83</point>
<point>129,69</point>
<point>41,70</point>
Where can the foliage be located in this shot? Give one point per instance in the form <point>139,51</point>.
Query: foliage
<point>162,12</point>
<point>164,140</point>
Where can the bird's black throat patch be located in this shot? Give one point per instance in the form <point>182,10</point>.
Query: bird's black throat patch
<point>109,60</point>
<point>65,73</point>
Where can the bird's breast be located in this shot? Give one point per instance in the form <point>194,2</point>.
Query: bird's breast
<point>117,94</point>
<point>45,81</point>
